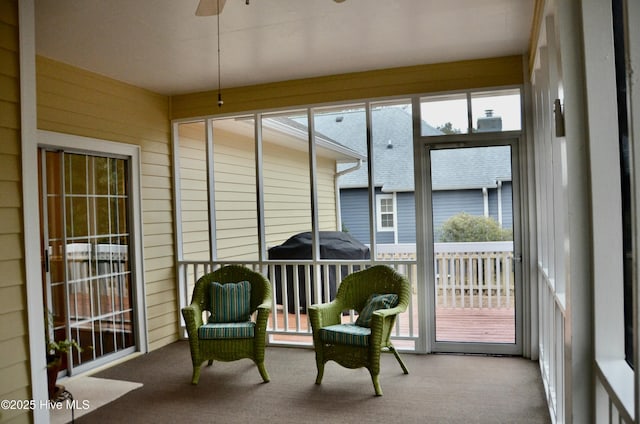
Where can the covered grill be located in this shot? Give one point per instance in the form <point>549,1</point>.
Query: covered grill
<point>332,244</point>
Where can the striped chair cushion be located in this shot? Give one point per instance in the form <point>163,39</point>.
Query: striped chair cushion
<point>348,334</point>
<point>230,302</point>
<point>375,302</point>
<point>227,330</point>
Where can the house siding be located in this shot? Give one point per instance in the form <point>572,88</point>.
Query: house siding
<point>287,193</point>
<point>507,205</point>
<point>326,189</point>
<point>406,217</point>
<point>235,194</point>
<point>194,202</point>
<point>446,203</point>
<point>355,213</point>
<point>449,203</point>
<point>14,350</point>
<point>355,216</point>
<point>74,101</point>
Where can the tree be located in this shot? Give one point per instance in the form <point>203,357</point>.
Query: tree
<point>466,227</point>
<point>447,128</point>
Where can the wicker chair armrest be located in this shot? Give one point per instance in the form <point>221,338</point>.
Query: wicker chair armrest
<point>325,314</point>
<point>263,314</point>
<point>266,305</point>
<point>381,323</point>
<point>193,319</point>
<point>390,312</point>
<point>262,318</point>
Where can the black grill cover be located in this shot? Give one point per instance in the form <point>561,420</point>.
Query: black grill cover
<point>333,245</point>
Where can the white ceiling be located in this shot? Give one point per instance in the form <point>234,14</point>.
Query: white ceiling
<point>162,46</point>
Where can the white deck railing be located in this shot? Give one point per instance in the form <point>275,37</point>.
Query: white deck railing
<point>478,275</point>
<point>474,275</point>
<point>468,274</point>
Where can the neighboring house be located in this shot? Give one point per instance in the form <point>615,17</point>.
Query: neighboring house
<point>285,178</point>
<point>484,192</point>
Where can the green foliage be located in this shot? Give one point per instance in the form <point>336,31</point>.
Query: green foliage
<point>447,128</point>
<point>56,348</point>
<point>63,346</point>
<point>466,227</point>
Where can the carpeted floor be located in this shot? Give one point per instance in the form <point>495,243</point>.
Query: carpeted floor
<point>446,389</point>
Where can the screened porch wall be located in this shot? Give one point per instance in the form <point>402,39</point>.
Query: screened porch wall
<point>285,191</point>
<point>287,205</point>
<point>579,218</point>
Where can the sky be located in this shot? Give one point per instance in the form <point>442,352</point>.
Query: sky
<point>452,109</point>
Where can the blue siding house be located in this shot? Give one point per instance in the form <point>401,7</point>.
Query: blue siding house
<point>484,189</point>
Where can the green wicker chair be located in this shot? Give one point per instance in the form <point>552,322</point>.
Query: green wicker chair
<point>229,344</point>
<point>355,346</point>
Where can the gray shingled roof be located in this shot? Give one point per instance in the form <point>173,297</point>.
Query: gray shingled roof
<point>392,136</point>
<point>483,166</point>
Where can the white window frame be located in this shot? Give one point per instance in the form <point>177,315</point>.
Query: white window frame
<point>379,213</point>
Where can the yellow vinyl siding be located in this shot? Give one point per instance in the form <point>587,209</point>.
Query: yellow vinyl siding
<point>194,202</point>
<point>235,188</point>
<point>74,101</point>
<point>430,78</point>
<point>325,183</point>
<point>287,194</point>
<point>14,352</point>
<point>286,186</point>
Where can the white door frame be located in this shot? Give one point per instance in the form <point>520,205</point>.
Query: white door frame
<point>89,145</point>
<point>424,238</point>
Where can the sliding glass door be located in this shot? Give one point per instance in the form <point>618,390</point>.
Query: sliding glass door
<point>87,273</point>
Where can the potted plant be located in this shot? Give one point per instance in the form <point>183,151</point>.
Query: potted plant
<point>57,351</point>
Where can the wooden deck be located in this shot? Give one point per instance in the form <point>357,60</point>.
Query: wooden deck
<point>483,325</point>
<point>495,325</point>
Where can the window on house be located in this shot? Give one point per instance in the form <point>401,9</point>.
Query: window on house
<point>386,212</point>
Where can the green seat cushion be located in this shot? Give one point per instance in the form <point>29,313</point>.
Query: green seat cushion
<point>375,302</point>
<point>227,330</point>
<point>230,302</point>
<point>348,334</point>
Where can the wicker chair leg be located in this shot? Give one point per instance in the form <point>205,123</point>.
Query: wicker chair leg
<point>400,361</point>
<point>263,372</point>
<point>376,384</point>
<point>320,366</point>
<point>196,374</point>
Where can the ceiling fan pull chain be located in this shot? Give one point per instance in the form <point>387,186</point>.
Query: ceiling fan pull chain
<point>220,102</point>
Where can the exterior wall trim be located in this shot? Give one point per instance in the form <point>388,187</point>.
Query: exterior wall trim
<point>31,221</point>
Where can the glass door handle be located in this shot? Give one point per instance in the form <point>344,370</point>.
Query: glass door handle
<point>46,260</point>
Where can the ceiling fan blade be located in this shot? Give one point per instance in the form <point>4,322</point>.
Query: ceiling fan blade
<point>209,7</point>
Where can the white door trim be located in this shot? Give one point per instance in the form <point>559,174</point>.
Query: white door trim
<point>133,153</point>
